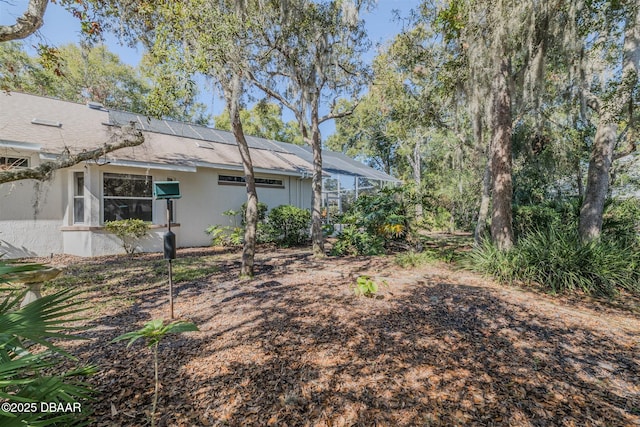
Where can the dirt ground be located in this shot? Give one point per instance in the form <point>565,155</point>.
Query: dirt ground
<point>294,347</point>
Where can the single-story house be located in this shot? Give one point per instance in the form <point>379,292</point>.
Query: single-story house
<point>66,213</point>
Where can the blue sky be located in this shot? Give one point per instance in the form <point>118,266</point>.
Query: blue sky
<point>61,28</point>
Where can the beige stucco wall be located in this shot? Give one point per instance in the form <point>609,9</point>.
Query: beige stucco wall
<point>36,219</point>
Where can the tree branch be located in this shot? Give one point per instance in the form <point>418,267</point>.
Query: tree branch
<point>128,136</point>
<point>27,24</point>
<point>270,92</point>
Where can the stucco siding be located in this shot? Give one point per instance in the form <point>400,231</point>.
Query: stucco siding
<point>36,219</point>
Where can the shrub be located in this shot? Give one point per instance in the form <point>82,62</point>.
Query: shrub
<point>262,212</point>
<point>560,262</point>
<point>128,231</point>
<point>354,241</point>
<point>288,225</point>
<point>621,221</point>
<point>551,214</point>
<point>372,221</point>
<point>218,235</point>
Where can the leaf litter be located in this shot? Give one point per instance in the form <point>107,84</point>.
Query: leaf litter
<point>294,347</point>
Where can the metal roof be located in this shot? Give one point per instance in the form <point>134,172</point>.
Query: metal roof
<point>80,127</point>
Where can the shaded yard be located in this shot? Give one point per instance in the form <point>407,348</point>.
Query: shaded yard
<point>294,346</point>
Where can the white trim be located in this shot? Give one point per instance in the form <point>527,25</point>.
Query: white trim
<point>296,173</point>
<point>149,165</point>
<point>25,146</point>
<point>134,164</point>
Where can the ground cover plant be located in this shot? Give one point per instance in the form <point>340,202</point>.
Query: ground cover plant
<point>295,346</point>
<point>31,363</point>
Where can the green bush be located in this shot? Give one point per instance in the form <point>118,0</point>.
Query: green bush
<point>288,225</point>
<point>262,212</point>
<point>128,231</point>
<point>30,375</point>
<point>551,214</point>
<point>621,221</point>
<point>233,235</point>
<point>436,219</point>
<point>354,241</point>
<point>218,235</point>
<point>560,262</point>
<point>372,221</point>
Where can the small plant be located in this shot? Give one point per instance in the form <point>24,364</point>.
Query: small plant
<point>128,231</point>
<point>153,332</point>
<point>29,375</point>
<point>217,233</point>
<point>366,286</point>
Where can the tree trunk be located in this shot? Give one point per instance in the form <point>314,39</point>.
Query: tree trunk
<point>502,189</point>
<point>604,144</point>
<point>251,214</point>
<point>317,239</point>
<point>416,166</point>
<point>597,181</point>
<point>483,212</point>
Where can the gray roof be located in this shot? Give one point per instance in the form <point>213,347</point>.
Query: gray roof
<point>51,126</point>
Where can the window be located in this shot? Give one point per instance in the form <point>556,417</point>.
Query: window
<point>127,196</point>
<point>239,180</point>
<point>78,197</point>
<point>13,162</point>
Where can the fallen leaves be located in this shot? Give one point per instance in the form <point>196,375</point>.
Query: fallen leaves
<point>293,347</point>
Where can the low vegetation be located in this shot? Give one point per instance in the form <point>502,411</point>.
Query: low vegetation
<point>551,254</point>
<point>153,332</point>
<point>33,367</point>
<point>284,226</point>
<point>129,231</point>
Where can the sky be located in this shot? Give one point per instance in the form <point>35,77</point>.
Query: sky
<point>61,28</point>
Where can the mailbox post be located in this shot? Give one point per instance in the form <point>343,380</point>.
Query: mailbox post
<point>168,190</point>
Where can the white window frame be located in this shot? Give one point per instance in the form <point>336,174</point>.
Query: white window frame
<point>240,180</point>
<point>14,162</point>
<point>78,198</point>
<point>105,197</point>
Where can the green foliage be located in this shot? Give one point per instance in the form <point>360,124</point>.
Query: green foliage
<point>365,286</point>
<point>217,233</point>
<point>262,212</point>
<point>436,218</point>
<point>263,120</point>
<point>621,221</point>
<point>560,262</point>
<point>153,333</point>
<point>372,221</point>
<point>233,235</point>
<point>427,256</point>
<point>30,375</point>
<point>225,235</point>
<point>128,231</point>
<point>288,225</point>
<point>155,330</point>
<point>355,241</point>
<point>551,214</point>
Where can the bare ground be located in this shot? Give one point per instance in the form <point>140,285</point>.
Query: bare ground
<point>295,347</point>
